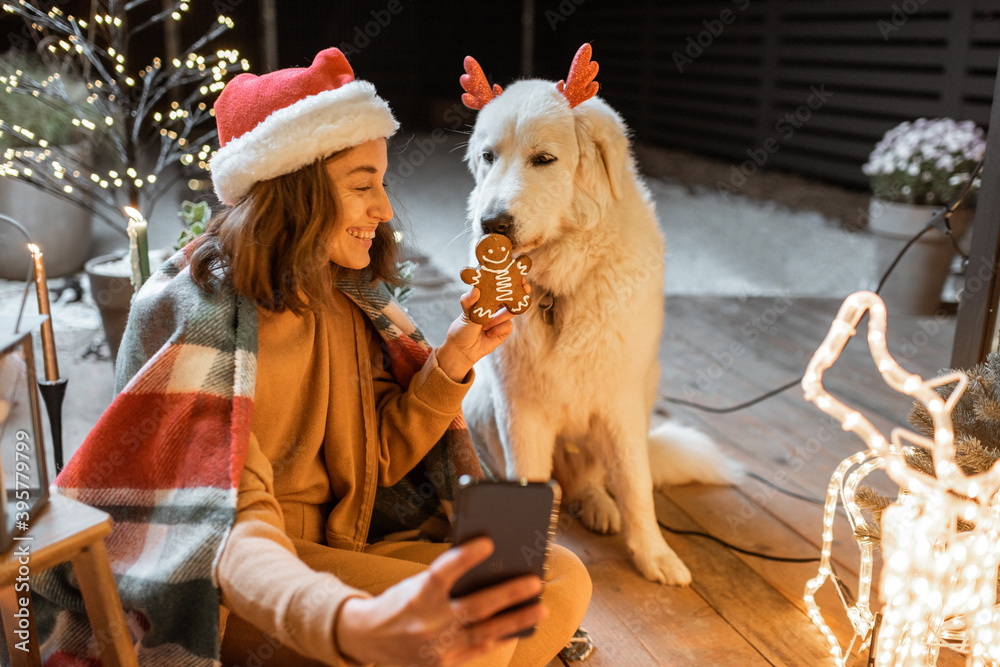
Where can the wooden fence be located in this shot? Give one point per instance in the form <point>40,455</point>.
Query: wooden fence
<point>802,85</point>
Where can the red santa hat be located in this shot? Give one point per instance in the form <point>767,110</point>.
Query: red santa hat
<point>279,122</point>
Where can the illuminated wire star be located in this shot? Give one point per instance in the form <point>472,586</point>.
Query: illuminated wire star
<point>940,539</point>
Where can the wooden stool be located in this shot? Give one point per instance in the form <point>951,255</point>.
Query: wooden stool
<point>68,530</point>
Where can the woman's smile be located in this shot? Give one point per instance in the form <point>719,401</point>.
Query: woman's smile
<point>363,236</point>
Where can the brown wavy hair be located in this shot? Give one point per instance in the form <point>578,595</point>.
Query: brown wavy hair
<point>271,246</point>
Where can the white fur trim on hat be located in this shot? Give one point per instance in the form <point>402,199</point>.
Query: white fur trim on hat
<point>299,134</point>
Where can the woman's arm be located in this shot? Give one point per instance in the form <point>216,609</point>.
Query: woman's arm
<point>412,421</point>
<point>262,580</point>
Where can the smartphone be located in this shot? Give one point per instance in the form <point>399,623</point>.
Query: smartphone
<point>520,517</point>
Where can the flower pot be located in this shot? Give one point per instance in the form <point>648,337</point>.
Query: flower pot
<point>111,288</point>
<point>914,287</point>
<point>112,292</point>
<point>59,228</point>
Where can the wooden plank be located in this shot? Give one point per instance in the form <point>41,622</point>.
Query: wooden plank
<point>785,449</point>
<point>8,608</point>
<point>978,112</point>
<point>715,513</point>
<point>978,85</point>
<point>870,129</point>
<point>712,508</point>
<point>839,172</point>
<point>702,122</point>
<point>899,105</point>
<point>885,54</point>
<point>104,607</point>
<point>857,78</point>
<point>60,530</point>
<point>676,31</point>
<point>638,622</point>
<point>760,439</point>
<point>730,515</point>
<point>983,58</point>
<point>860,8</point>
<point>705,87</point>
<point>779,631</point>
<point>799,330</point>
<point>727,145</point>
<point>985,29</point>
<point>852,29</point>
<point>855,151</point>
<point>746,70</point>
<point>723,106</point>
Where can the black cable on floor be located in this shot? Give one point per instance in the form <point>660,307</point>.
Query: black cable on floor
<point>757,554</point>
<point>732,408</point>
<point>791,494</point>
<point>782,559</point>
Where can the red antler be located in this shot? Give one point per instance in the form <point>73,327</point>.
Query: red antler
<point>477,88</point>
<point>580,85</point>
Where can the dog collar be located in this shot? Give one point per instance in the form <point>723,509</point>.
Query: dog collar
<point>546,304</point>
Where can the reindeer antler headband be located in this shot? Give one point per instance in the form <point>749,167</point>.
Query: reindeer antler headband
<point>579,86</point>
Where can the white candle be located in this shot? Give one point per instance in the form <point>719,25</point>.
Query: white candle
<point>138,243</point>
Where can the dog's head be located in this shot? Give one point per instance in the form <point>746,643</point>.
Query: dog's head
<point>545,156</point>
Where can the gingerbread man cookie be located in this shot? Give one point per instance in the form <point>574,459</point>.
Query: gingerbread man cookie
<point>498,278</point>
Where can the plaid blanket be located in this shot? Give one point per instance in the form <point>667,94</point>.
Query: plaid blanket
<point>165,461</point>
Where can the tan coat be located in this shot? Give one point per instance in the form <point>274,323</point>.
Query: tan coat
<point>329,425</point>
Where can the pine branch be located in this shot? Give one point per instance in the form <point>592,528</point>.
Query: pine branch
<point>871,501</point>
<point>869,534</point>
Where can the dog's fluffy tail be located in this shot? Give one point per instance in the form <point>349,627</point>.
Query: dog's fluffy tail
<point>680,454</point>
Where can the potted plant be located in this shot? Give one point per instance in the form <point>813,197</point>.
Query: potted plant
<point>58,226</point>
<point>917,169</point>
<point>157,118</point>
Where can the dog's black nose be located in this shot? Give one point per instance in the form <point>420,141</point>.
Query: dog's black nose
<point>498,223</point>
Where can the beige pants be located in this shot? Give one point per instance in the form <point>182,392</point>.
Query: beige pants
<point>566,595</point>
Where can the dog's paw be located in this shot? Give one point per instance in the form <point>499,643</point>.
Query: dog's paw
<point>663,566</point>
<point>597,510</point>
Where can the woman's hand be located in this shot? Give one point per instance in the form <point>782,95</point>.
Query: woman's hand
<point>417,622</point>
<point>468,342</point>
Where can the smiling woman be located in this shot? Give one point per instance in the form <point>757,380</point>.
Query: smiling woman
<point>293,419</point>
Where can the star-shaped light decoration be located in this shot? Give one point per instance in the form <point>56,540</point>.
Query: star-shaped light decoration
<point>940,539</point>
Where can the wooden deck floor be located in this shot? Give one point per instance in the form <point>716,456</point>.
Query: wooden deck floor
<point>742,610</point>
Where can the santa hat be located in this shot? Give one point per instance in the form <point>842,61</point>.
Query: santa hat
<point>279,122</point>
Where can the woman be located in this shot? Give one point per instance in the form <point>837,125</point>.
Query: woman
<point>343,447</point>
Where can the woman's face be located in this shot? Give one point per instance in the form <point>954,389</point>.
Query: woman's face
<point>356,175</point>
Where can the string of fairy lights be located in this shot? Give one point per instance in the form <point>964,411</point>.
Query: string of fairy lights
<point>940,538</point>
<point>153,115</point>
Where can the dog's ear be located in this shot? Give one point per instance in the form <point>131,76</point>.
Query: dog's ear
<point>603,140</point>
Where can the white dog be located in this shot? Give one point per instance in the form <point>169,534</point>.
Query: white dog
<point>571,391</point>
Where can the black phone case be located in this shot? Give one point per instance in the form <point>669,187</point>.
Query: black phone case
<point>519,517</point>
